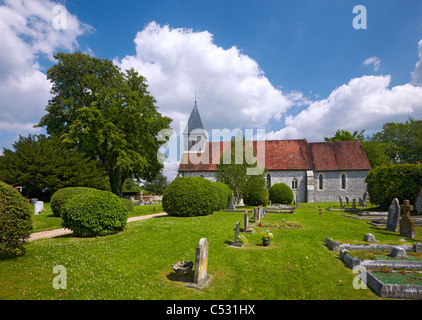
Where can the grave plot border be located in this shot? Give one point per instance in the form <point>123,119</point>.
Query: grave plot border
<point>336,246</point>
<point>384,290</point>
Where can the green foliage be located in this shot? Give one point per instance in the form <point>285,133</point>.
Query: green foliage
<point>256,192</point>
<point>223,193</point>
<point>107,114</point>
<point>190,196</point>
<point>94,213</point>
<point>15,220</point>
<point>401,181</point>
<point>281,193</point>
<point>234,172</point>
<point>157,185</point>
<point>344,135</point>
<point>40,163</point>
<point>128,203</point>
<point>60,197</point>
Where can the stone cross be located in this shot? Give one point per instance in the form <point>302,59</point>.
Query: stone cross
<point>201,276</point>
<point>236,242</point>
<point>407,225</point>
<point>393,216</point>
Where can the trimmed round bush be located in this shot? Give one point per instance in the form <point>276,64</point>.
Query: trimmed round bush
<point>189,197</point>
<point>128,203</point>
<point>256,198</point>
<point>15,220</point>
<point>281,193</point>
<point>94,213</point>
<point>224,194</point>
<point>62,195</point>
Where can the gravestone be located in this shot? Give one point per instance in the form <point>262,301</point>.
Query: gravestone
<point>407,225</point>
<point>246,221</point>
<point>38,207</point>
<point>398,253</point>
<point>201,277</point>
<point>393,216</point>
<point>347,200</point>
<point>361,202</point>
<point>419,203</point>
<point>33,201</point>
<point>260,212</point>
<point>255,214</point>
<point>369,238</point>
<point>341,201</point>
<point>354,203</point>
<point>236,242</point>
<point>231,205</point>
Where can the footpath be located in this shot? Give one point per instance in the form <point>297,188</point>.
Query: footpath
<point>63,231</point>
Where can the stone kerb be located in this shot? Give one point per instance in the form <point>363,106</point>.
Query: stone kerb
<point>336,246</point>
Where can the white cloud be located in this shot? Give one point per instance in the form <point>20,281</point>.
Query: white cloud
<point>364,103</point>
<point>417,72</point>
<point>373,60</point>
<point>27,32</point>
<point>233,90</point>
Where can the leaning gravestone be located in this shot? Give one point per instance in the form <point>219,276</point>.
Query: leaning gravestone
<point>201,277</point>
<point>231,205</point>
<point>419,203</point>
<point>393,216</point>
<point>341,201</point>
<point>407,225</point>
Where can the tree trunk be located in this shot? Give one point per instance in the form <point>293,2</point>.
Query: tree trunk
<point>116,182</point>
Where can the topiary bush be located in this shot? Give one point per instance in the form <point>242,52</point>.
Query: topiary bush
<point>62,195</point>
<point>15,220</point>
<point>281,193</point>
<point>224,195</point>
<point>128,203</point>
<point>386,182</point>
<point>94,213</point>
<point>256,197</point>
<point>190,196</point>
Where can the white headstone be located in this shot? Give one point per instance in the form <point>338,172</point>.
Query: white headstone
<point>38,207</point>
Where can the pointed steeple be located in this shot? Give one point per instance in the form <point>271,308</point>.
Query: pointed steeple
<point>194,121</point>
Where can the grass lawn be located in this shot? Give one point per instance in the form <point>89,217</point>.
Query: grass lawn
<point>137,263</point>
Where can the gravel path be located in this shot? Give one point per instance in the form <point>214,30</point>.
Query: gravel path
<point>60,232</point>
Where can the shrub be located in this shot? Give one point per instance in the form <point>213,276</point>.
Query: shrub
<point>190,196</point>
<point>256,197</point>
<point>128,203</point>
<point>281,193</point>
<point>224,195</point>
<point>62,195</point>
<point>401,181</point>
<point>15,220</point>
<point>94,213</point>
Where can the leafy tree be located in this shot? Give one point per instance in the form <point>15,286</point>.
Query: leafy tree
<point>344,135</point>
<point>107,114</point>
<point>402,141</point>
<point>234,174</point>
<point>40,163</point>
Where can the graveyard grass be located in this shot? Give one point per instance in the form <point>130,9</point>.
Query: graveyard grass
<point>137,263</point>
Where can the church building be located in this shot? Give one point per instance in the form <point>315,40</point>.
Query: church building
<point>315,171</point>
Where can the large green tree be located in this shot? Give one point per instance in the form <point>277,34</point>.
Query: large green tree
<point>107,114</point>
<point>39,163</point>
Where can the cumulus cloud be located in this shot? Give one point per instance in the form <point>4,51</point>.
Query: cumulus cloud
<point>363,103</point>
<point>374,61</point>
<point>417,72</point>
<point>27,33</point>
<point>233,91</point>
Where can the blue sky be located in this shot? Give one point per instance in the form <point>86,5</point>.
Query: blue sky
<point>295,68</point>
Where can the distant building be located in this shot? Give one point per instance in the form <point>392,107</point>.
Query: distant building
<point>315,171</point>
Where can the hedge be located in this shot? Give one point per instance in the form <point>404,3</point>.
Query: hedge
<point>190,196</point>
<point>386,182</point>
<point>15,220</point>
<point>62,195</point>
<point>281,193</point>
<point>223,193</point>
<point>94,213</point>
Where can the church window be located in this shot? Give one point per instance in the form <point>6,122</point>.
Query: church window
<point>294,184</point>
<point>321,181</point>
<point>268,180</point>
<point>343,181</point>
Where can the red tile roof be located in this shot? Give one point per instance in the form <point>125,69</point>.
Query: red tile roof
<point>288,155</point>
